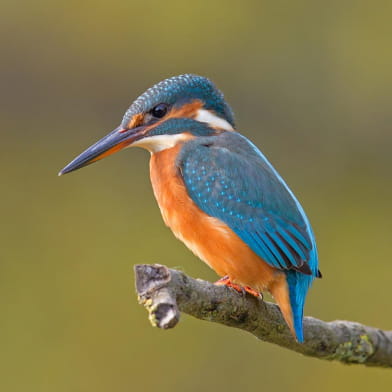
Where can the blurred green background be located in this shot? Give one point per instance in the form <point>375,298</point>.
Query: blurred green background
<point>311,85</point>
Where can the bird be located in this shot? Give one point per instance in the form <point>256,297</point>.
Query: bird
<point>218,193</point>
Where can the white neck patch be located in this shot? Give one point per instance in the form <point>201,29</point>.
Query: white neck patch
<point>160,142</point>
<point>213,120</point>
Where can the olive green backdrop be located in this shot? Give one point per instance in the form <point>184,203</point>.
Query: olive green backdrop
<point>310,82</point>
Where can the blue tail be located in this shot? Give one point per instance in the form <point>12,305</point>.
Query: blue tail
<point>298,287</point>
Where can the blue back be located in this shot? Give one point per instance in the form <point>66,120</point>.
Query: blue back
<point>230,179</point>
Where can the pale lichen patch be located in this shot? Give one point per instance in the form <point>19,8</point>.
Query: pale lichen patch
<point>355,352</point>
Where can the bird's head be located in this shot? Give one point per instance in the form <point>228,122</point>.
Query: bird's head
<point>174,110</point>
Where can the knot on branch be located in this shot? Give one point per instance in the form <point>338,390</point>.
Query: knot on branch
<point>154,294</point>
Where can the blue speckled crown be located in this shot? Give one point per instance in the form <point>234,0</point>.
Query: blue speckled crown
<point>181,89</point>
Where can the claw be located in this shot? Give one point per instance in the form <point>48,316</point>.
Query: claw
<point>225,281</point>
<point>255,293</point>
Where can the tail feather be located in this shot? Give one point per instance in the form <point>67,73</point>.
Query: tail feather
<point>298,287</point>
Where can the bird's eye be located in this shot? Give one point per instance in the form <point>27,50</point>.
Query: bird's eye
<point>160,110</point>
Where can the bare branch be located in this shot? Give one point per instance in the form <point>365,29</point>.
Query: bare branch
<point>165,292</point>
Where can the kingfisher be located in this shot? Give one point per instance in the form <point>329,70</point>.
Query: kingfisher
<point>218,193</point>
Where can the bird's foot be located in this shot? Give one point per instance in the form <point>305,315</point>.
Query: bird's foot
<point>225,281</point>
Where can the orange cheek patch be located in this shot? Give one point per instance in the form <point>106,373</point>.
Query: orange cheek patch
<point>136,120</point>
<point>189,110</point>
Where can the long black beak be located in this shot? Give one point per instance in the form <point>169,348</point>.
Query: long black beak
<point>111,143</point>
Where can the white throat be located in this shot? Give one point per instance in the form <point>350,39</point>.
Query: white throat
<point>160,142</point>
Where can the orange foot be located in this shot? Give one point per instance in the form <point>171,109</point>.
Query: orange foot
<point>225,281</point>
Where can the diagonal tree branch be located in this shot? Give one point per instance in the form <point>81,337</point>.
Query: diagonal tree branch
<point>165,292</point>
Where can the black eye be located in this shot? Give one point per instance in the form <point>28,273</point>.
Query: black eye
<point>160,110</point>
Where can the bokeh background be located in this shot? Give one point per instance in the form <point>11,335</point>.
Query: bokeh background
<point>311,84</point>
